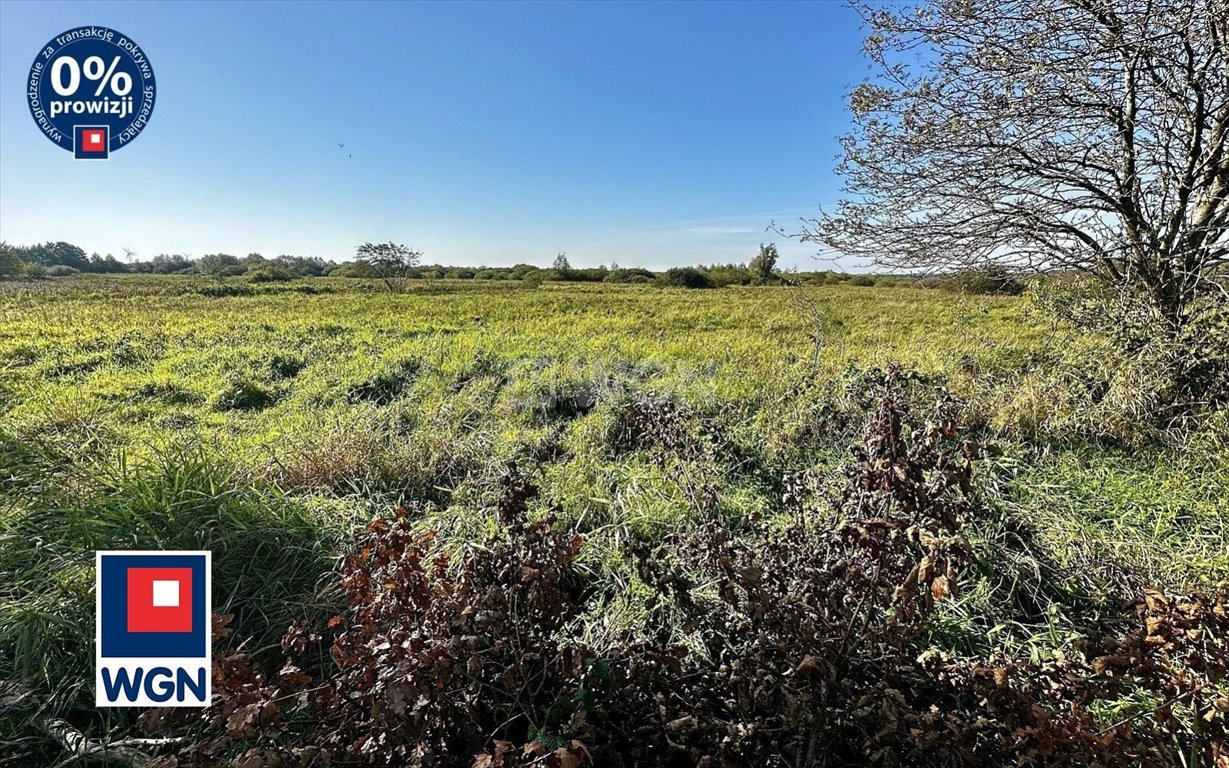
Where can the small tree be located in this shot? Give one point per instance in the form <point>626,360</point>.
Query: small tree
<point>561,263</point>
<point>1082,135</point>
<point>764,265</point>
<point>11,265</point>
<point>392,263</point>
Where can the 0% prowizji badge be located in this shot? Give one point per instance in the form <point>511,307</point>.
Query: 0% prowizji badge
<point>91,91</point>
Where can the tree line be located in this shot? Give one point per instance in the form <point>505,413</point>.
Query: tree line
<point>395,264</point>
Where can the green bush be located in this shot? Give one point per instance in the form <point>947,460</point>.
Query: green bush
<point>269,275</point>
<point>686,277</point>
<point>729,274</point>
<point>984,281</point>
<point>629,275</point>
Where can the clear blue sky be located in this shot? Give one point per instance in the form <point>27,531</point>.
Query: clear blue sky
<point>651,134</point>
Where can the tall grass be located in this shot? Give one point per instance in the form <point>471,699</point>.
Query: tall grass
<point>269,552</point>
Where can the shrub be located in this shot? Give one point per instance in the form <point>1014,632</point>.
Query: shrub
<point>629,275</point>
<point>864,281</point>
<point>220,265</point>
<point>60,270</point>
<point>730,274</point>
<point>685,277</point>
<point>269,274</point>
<point>988,280</point>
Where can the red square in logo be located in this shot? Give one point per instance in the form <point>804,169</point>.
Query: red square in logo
<point>159,599</point>
<point>93,140</point>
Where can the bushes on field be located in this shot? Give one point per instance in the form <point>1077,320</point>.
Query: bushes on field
<point>685,277</point>
<point>269,274</point>
<point>991,279</point>
<point>629,275</point>
<point>729,274</point>
<point>220,265</point>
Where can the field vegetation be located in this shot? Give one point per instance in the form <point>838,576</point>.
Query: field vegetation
<point>712,516</point>
<point>599,507</point>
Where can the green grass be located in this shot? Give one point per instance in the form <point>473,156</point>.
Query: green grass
<point>267,422</point>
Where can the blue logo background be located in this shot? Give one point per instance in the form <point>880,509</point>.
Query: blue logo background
<point>118,642</point>
<point>95,95</point>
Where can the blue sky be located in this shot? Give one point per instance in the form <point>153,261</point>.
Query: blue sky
<point>648,134</point>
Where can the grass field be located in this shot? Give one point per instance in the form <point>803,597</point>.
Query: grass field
<point>269,423</point>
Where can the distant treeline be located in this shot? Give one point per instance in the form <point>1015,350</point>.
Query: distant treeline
<point>61,259</point>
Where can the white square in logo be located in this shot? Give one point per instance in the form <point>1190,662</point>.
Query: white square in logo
<point>166,594</point>
<point>95,138</point>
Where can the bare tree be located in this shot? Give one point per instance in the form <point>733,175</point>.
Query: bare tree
<point>1044,134</point>
<point>393,263</point>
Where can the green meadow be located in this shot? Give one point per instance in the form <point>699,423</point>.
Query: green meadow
<point>269,423</point>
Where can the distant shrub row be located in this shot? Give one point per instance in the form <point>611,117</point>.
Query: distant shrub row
<point>62,259</point>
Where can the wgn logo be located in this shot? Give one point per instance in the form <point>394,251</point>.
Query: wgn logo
<point>153,633</point>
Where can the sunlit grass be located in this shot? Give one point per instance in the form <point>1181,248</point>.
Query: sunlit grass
<point>267,425</point>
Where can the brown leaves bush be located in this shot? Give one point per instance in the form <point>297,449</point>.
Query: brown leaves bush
<point>803,647</point>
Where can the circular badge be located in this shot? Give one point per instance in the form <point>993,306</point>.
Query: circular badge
<point>91,91</point>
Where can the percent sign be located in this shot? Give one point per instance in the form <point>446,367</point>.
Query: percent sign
<point>94,69</point>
